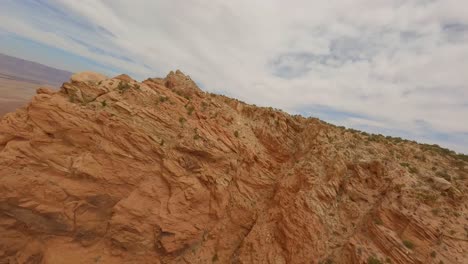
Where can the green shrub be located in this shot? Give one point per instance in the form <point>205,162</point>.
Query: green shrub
<point>204,105</point>
<point>72,98</point>
<point>408,244</point>
<point>104,103</point>
<point>427,197</point>
<point>236,134</point>
<point>190,109</point>
<point>435,211</point>
<point>373,260</point>
<point>378,221</point>
<point>123,86</point>
<point>463,157</point>
<point>413,170</point>
<point>420,157</point>
<point>182,120</point>
<point>196,136</point>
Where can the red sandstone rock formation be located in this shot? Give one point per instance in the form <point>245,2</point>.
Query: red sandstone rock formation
<point>110,170</point>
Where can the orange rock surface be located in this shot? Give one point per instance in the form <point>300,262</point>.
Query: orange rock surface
<point>111,170</point>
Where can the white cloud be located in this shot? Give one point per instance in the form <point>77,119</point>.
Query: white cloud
<point>394,62</point>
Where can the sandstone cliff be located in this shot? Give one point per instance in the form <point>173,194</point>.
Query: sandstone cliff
<point>110,170</point>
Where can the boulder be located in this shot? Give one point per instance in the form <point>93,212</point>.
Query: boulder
<point>88,76</point>
<point>124,77</point>
<point>441,183</point>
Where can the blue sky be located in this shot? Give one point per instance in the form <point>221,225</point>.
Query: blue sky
<point>393,67</point>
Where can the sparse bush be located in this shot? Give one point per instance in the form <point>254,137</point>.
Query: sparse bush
<point>190,109</point>
<point>413,170</point>
<point>72,98</point>
<point>327,261</point>
<point>375,138</point>
<point>420,157</point>
<point>444,175</point>
<point>408,244</point>
<point>236,134</point>
<point>373,260</point>
<point>163,99</point>
<point>428,198</point>
<point>196,136</point>
<point>123,86</point>
<point>438,149</point>
<point>433,254</point>
<point>182,120</point>
<point>378,221</point>
<point>85,99</point>
<point>104,103</point>
<point>463,157</point>
<point>204,105</point>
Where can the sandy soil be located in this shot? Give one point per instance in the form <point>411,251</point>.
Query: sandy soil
<point>14,94</point>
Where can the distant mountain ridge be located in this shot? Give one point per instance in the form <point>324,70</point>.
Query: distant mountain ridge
<point>31,71</point>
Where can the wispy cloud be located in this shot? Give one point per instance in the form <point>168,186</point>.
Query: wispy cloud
<point>389,66</point>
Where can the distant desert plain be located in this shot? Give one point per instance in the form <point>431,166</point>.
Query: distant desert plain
<point>20,78</point>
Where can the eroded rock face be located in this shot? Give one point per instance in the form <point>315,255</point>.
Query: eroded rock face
<point>111,170</point>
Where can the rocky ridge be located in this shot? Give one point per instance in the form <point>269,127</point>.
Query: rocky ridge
<point>111,170</point>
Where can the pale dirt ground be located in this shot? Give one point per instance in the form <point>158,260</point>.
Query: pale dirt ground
<point>15,93</point>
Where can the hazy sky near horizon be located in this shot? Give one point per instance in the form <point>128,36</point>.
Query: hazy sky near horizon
<point>393,67</point>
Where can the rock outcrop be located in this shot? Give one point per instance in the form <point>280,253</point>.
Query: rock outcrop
<point>111,170</point>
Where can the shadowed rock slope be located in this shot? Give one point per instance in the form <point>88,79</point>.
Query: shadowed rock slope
<point>110,170</point>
